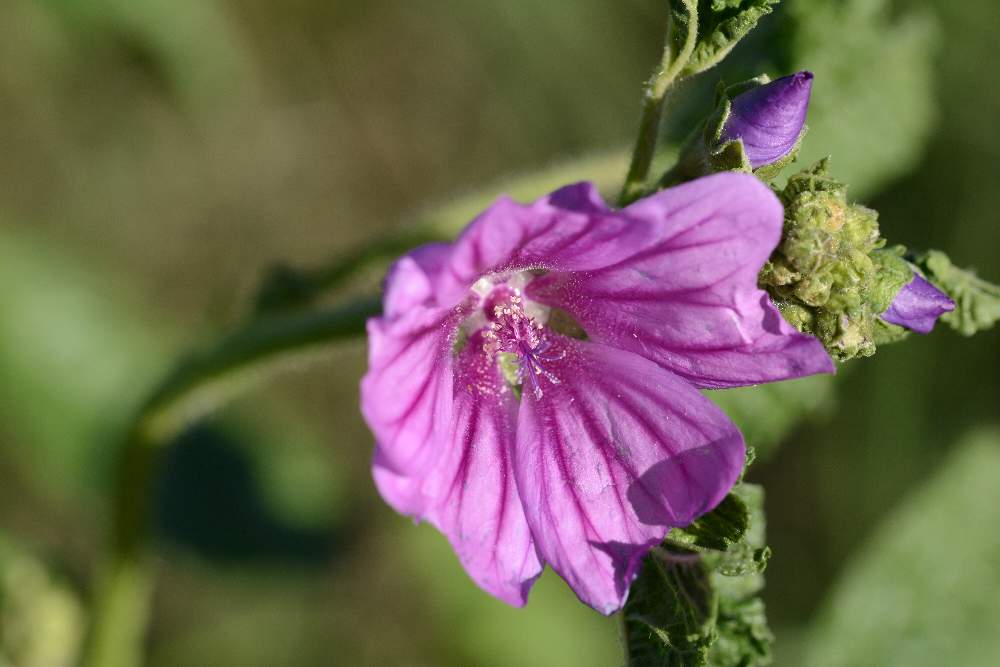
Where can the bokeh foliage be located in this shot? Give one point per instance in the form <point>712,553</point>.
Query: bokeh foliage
<point>155,156</point>
<point>922,591</point>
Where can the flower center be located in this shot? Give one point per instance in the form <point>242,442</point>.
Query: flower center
<point>517,341</point>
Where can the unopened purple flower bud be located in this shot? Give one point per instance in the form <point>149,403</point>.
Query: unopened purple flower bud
<point>769,118</point>
<point>918,305</point>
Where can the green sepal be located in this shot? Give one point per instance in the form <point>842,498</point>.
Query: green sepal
<point>886,333</point>
<point>893,273</point>
<point>716,122</point>
<point>745,554</point>
<point>562,322</point>
<point>721,25</point>
<point>731,156</point>
<point>733,90</point>
<point>977,302</point>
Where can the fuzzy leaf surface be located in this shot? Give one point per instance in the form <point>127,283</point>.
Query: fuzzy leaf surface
<point>977,301</point>
<point>721,25</point>
<point>695,602</point>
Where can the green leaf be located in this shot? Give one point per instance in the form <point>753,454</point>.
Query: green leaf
<point>670,614</point>
<point>874,87</point>
<point>977,302</point>
<point>695,600</point>
<point>720,528</point>
<point>721,25</point>
<point>923,591</point>
<point>743,636</point>
<point>746,556</point>
<point>682,39</point>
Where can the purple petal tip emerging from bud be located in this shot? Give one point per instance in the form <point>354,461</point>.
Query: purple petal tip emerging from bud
<point>769,118</point>
<point>918,305</point>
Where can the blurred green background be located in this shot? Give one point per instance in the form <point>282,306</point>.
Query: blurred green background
<point>156,157</point>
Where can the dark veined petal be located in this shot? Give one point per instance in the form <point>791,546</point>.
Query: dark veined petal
<point>568,230</point>
<point>612,457</point>
<point>470,493</point>
<point>476,501</point>
<point>687,297</point>
<point>406,393</point>
<point>918,306</point>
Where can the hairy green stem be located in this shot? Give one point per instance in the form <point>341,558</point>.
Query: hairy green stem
<point>679,45</point>
<point>286,288</point>
<point>198,385</point>
<point>645,148</point>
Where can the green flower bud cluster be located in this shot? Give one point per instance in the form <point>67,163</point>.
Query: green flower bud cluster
<point>831,276</point>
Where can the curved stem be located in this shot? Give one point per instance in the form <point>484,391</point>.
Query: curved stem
<point>286,288</point>
<point>198,385</point>
<point>682,32</point>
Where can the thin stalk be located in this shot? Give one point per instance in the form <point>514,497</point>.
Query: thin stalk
<point>201,383</point>
<point>645,148</point>
<point>286,288</point>
<point>683,27</point>
<point>622,623</point>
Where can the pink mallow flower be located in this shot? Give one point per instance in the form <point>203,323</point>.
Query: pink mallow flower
<point>533,387</point>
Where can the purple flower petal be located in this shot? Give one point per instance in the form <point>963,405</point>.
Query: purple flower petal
<point>406,394</point>
<point>569,230</point>
<point>476,498</point>
<point>613,446</point>
<point>412,279</point>
<point>770,118</point>
<point>612,457</point>
<point>918,306</point>
<point>686,295</point>
<point>402,493</point>
<point>470,493</point>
